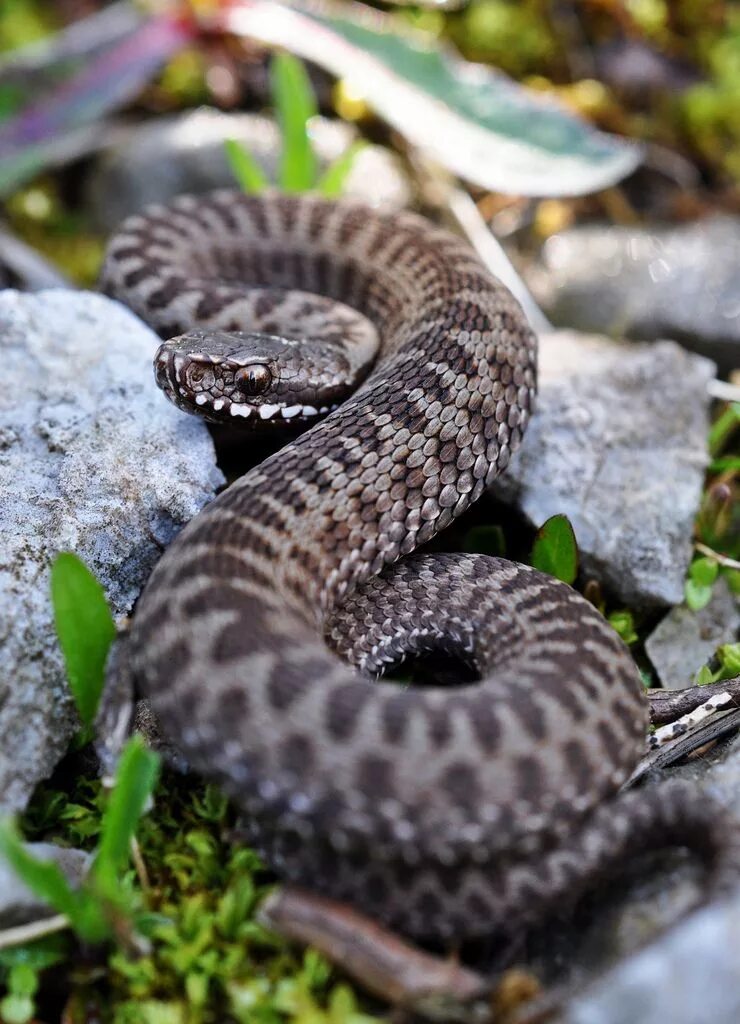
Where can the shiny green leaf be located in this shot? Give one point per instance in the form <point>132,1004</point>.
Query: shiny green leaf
<point>555,551</point>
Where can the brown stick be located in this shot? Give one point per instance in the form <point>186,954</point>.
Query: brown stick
<point>383,963</point>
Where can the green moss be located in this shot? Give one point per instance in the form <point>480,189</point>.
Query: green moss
<point>206,959</point>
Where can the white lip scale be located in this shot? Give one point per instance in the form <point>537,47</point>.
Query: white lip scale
<point>268,412</point>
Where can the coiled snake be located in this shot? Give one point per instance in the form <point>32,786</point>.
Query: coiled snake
<point>443,811</point>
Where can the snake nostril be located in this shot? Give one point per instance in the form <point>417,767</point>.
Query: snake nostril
<point>254,379</point>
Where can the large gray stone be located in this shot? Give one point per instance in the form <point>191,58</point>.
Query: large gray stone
<point>92,460</point>
<point>657,282</point>
<point>618,444</point>
<point>685,640</point>
<point>165,157</point>
<point>691,976</point>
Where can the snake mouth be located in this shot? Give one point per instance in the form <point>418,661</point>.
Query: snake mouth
<point>223,410</point>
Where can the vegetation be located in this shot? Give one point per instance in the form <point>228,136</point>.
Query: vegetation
<point>295,104</point>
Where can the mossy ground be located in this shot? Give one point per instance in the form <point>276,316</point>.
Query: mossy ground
<point>204,958</point>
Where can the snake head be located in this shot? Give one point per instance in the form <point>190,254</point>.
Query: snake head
<point>243,377</point>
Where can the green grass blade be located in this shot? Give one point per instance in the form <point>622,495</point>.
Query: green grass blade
<point>295,105</point>
<point>135,781</point>
<point>555,551</point>
<point>85,629</point>
<point>43,877</point>
<point>248,173</point>
<point>332,182</point>
<point>723,428</point>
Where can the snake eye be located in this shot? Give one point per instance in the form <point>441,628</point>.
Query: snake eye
<point>254,379</point>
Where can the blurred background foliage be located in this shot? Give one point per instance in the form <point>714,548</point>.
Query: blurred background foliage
<point>666,71</point>
<point>663,71</point>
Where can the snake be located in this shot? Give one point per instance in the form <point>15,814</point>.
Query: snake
<point>267,632</point>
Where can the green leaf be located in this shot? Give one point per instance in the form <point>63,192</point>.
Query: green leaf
<point>23,980</point>
<point>332,182</point>
<point>249,175</point>
<point>623,622</point>
<point>43,877</point>
<point>729,655</point>
<point>555,551</point>
<point>295,105</point>
<point>85,629</point>
<point>704,571</point>
<point>16,1009</point>
<point>704,676</point>
<point>471,119</point>
<point>135,781</point>
<point>485,540</point>
<point>698,595</point>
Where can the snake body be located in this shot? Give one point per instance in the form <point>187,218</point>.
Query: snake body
<point>444,811</point>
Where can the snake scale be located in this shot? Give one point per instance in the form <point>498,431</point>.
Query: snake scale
<point>443,811</point>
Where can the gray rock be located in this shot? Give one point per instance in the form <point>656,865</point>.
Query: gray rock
<point>661,282</point>
<point>618,444</point>
<point>690,976</point>
<point>94,461</point>
<point>167,156</point>
<point>685,640</point>
<point>17,903</point>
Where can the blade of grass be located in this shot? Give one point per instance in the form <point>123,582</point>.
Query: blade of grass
<point>85,629</point>
<point>723,428</point>
<point>332,182</point>
<point>135,781</point>
<point>295,105</point>
<point>248,173</point>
